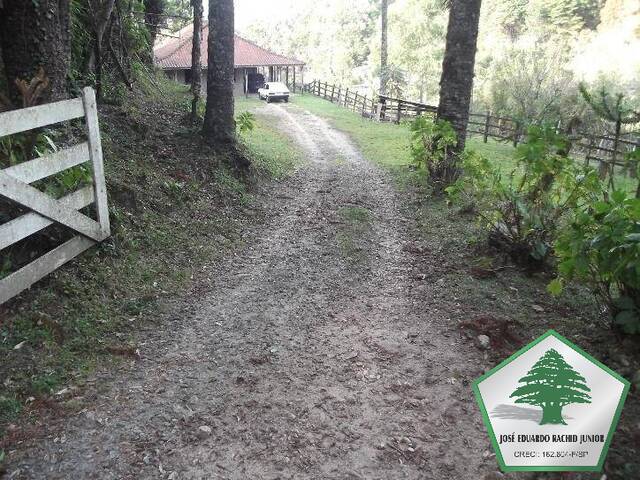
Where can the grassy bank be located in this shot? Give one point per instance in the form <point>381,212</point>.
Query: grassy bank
<point>175,206</point>
<point>387,144</point>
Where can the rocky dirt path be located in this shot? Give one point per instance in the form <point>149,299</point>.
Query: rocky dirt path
<point>309,355</point>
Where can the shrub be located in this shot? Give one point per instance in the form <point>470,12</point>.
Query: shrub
<point>523,210</point>
<point>601,247</point>
<point>432,148</point>
<point>245,122</point>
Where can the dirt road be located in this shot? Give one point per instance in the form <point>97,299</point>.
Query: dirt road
<point>309,355</point>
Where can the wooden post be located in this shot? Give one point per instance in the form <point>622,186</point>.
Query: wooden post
<point>516,135</point>
<point>346,98</point>
<point>614,156</point>
<point>487,122</point>
<point>587,159</point>
<point>381,108</point>
<point>333,92</point>
<point>294,79</point>
<point>246,84</point>
<point>399,112</point>
<point>95,154</point>
<point>355,102</point>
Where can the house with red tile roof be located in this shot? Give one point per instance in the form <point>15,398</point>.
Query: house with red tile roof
<point>254,65</point>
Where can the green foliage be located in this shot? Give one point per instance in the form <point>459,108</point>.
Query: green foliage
<point>126,42</point>
<point>396,81</point>
<point>68,181</point>
<point>531,84</point>
<point>10,408</point>
<point>19,148</point>
<point>271,152</point>
<point>601,247</point>
<point>523,212</point>
<point>614,108</point>
<point>570,15</point>
<point>174,189</point>
<point>245,122</point>
<point>22,147</point>
<point>432,148</point>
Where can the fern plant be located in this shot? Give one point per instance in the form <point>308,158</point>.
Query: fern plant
<point>432,148</point>
<point>245,122</point>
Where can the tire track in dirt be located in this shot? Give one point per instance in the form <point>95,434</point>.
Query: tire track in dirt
<point>309,355</point>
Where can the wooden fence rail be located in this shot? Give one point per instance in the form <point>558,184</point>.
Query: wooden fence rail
<point>44,210</point>
<point>604,148</point>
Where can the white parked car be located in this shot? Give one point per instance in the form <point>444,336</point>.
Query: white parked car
<point>271,91</point>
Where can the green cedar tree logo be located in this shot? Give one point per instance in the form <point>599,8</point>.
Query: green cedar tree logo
<point>551,384</point>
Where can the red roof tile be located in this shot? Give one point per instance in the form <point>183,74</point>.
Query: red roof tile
<point>175,53</point>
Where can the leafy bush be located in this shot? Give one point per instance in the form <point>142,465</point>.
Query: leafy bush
<point>601,247</point>
<point>245,122</point>
<point>432,147</point>
<point>23,147</point>
<point>524,210</point>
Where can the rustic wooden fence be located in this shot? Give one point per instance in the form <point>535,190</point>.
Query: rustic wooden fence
<point>609,149</point>
<point>44,210</point>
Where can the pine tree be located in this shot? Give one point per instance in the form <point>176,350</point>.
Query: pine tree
<point>33,36</point>
<point>458,65</point>
<point>613,109</point>
<point>551,384</point>
<point>384,47</point>
<point>219,124</point>
<point>196,62</point>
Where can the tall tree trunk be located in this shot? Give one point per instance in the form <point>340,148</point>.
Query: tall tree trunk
<point>101,11</point>
<point>219,124</point>
<point>34,35</point>
<point>196,64</point>
<point>153,10</point>
<point>384,47</point>
<point>456,83</point>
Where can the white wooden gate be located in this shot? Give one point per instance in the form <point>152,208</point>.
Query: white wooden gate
<point>15,185</point>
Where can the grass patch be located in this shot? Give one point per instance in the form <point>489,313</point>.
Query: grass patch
<point>387,144</point>
<point>272,152</point>
<point>354,226</point>
<point>383,143</point>
<point>10,408</point>
<point>355,215</point>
